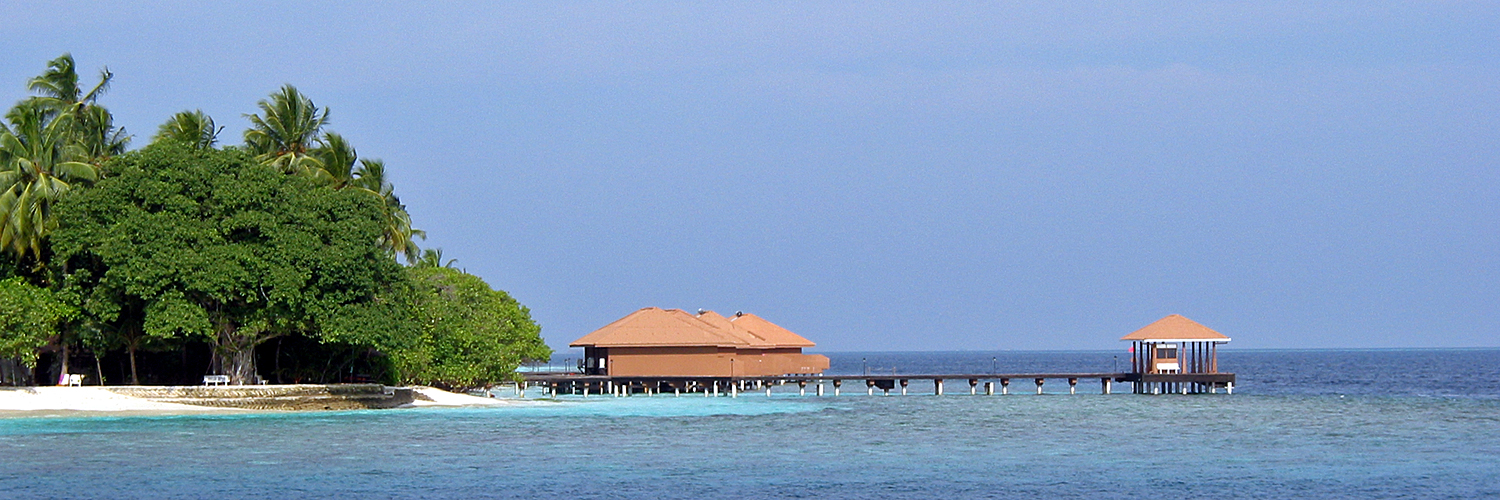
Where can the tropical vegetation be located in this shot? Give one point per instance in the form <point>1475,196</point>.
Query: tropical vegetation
<point>279,260</point>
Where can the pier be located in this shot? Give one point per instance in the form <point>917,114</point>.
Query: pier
<point>556,383</point>
<point>670,351</point>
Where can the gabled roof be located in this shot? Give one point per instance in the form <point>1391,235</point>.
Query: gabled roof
<point>651,327</point>
<point>769,331</point>
<point>1176,328</point>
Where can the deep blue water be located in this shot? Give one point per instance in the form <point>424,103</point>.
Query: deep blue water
<point>1302,424</point>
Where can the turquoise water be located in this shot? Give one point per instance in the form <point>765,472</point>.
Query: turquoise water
<point>1420,435</point>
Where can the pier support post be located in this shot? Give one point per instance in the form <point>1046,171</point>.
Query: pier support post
<point>734,390</point>
<point>801,387</point>
<point>973,385</point>
<point>676,391</point>
<point>1229,388</point>
<point>768,390</point>
<point>869,387</point>
<point>1004,386</point>
<point>836,384</point>
<point>820,388</point>
<point>937,386</point>
<point>989,388</point>
<point>1213,388</point>
<point>1105,383</point>
<point>903,386</point>
<point>716,388</point>
<point>1072,386</point>
<point>1039,385</point>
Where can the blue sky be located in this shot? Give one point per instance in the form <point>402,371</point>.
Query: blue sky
<point>891,176</point>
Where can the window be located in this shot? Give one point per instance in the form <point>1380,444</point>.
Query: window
<point>1166,353</point>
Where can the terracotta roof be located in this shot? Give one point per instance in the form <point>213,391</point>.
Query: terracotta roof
<point>1176,328</point>
<point>769,331</point>
<point>718,321</point>
<point>653,327</point>
<point>660,327</point>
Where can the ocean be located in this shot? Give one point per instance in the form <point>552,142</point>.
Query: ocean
<point>1301,424</point>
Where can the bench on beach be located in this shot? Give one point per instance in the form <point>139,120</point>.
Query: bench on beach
<point>215,380</point>
<point>75,379</point>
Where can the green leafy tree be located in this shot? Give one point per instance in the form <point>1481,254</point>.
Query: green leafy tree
<point>219,245</point>
<point>290,136</point>
<point>30,317</point>
<point>193,128</point>
<point>471,334</point>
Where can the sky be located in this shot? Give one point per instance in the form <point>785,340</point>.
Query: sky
<point>889,176</point>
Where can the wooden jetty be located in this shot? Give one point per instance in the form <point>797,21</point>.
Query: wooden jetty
<point>986,383</point>
<point>660,351</point>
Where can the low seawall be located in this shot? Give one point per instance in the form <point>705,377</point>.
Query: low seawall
<point>277,397</point>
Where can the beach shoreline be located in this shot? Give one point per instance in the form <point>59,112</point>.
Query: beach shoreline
<point>55,401</point>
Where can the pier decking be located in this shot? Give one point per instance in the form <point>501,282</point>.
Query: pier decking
<point>1147,383</point>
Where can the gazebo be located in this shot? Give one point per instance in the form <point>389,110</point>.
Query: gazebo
<point>1174,345</point>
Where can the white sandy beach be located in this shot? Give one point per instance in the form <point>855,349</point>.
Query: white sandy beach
<point>86,399</point>
<point>49,400</point>
<point>438,397</point>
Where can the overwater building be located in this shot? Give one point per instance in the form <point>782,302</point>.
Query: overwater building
<point>654,342</point>
<point>1175,345</point>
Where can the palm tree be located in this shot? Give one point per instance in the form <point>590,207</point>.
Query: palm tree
<point>287,134</point>
<point>338,158</point>
<point>95,131</point>
<point>291,137</point>
<point>91,126</point>
<point>398,234</point>
<point>433,258</point>
<point>38,165</point>
<point>58,86</point>
<point>190,127</point>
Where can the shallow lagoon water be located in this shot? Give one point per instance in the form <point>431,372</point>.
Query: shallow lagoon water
<point>1291,435</point>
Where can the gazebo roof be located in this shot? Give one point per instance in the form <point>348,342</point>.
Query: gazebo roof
<point>1176,328</point>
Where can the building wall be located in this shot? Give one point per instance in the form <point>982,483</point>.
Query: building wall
<point>710,362</point>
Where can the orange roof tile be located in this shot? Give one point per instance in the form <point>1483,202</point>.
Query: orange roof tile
<point>659,327</point>
<point>718,321</point>
<point>1176,328</point>
<point>769,331</point>
<point>653,327</point>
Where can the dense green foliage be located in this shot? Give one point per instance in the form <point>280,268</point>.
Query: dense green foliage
<point>30,317</point>
<point>211,253</point>
<point>219,245</point>
<point>470,332</point>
